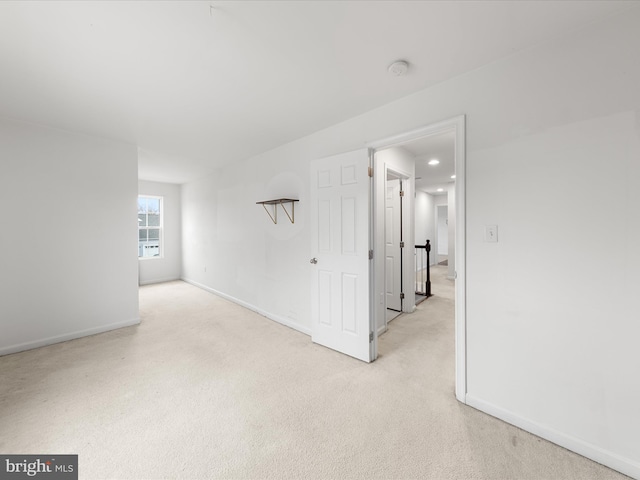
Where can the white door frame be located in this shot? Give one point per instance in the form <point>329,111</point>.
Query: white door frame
<point>456,125</point>
<point>404,169</point>
<point>396,235</point>
<point>408,305</point>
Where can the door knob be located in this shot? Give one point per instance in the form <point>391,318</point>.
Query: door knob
<point>314,260</point>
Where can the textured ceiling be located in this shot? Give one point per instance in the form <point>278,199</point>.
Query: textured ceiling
<point>429,178</point>
<point>197,85</point>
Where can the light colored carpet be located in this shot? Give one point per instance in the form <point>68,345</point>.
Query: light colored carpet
<point>206,389</point>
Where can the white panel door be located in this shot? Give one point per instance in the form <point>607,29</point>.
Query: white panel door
<point>393,258</point>
<point>339,213</point>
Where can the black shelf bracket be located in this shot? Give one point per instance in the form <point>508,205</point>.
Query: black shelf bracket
<point>281,202</point>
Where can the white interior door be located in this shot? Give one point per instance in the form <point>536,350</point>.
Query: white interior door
<point>339,213</point>
<point>393,259</point>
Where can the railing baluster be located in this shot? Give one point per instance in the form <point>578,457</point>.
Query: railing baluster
<point>427,285</point>
<point>422,261</point>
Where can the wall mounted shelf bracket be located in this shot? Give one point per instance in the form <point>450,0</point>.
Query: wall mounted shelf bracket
<point>275,203</point>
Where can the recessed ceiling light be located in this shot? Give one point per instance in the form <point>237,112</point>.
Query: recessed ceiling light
<point>434,162</point>
<point>398,68</point>
<point>441,190</point>
<point>453,176</point>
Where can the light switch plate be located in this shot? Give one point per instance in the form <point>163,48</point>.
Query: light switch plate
<point>491,233</point>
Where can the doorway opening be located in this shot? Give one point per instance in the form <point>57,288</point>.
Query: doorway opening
<point>430,162</point>
<point>394,244</point>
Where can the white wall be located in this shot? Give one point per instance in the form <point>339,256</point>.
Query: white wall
<point>231,246</point>
<point>451,234</point>
<point>425,221</point>
<point>551,338</point>
<point>169,266</point>
<point>69,263</point>
<point>439,201</point>
<point>443,229</point>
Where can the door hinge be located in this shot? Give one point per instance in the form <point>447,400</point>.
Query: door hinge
<point>370,254</point>
<point>402,296</point>
<point>401,244</point>
<point>370,171</point>
<point>370,337</point>
<point>402,193</point>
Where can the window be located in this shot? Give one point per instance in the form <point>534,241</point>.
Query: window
<point>149,226</point>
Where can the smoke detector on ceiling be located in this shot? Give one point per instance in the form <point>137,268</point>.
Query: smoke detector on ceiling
<point>398,68</point>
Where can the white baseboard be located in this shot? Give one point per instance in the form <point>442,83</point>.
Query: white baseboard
<point>287,322</point>
<point>157,280</point>
<point>593,452</point>
<point>67,336</point>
